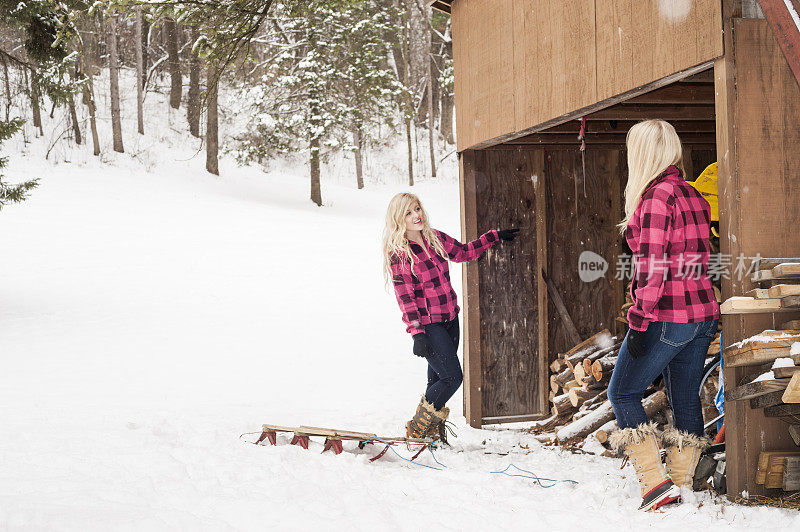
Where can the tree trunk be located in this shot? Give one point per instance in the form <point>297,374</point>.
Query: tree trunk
<point>174,64</point>
<point>139,70</point>
<point>212,122</point>
<point>447,99</point>
<point>88,96</point>
<point>410,153</point>
<point>7,86</point>
<point>430,94</point>
<point>359,162</point>
<point>113,68</point>
<point>316,188</point>
<point>145,49</point>
<point>35,94</point>
<point>194,103</point>
<point>73,116</point>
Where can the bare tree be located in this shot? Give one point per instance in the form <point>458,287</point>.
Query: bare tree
<point>7,85</point>
<point>358,143</point>
<point>430,83</point>
<point>113,67</point>
<point>139,69</point>
<point>194,102</point>
<point>35,96</point>
<point>73,116</point>
<point>174,64</point>
<point>212,121</point>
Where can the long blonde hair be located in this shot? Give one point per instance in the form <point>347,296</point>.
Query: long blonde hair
<point>395,241</point>
<point>653,145</point>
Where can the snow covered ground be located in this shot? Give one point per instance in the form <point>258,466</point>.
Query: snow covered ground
<point>151,313</point>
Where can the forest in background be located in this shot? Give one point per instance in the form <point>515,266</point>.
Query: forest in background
<point>313,77</point>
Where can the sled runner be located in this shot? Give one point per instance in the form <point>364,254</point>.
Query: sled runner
<point>335,437</point>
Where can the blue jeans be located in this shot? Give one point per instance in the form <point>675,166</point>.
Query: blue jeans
<point>444,369</point>
<point>678,352</point>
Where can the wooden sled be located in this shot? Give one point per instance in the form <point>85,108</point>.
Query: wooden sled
<point>335,437</point>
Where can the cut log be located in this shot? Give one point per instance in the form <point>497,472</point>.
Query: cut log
<point>792,392</point>
<point>767,460</point>
<point>605,431</point>
<point>755,389</point>
<point>603,368</point>
<point>562,406</point>
<point>603,414</point>
<point>572,384</point>
<point>579,372</point>
<point>565,376</point>
<point>578,396</point>
<point>768,399</point>
<point>594,402</point>
<point>556,366</point>
<point>610,352</point>
<point>554,386</point>
<point>592,343</point>
<point>762,275</point>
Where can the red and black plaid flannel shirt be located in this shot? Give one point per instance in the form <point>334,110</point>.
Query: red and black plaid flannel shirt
<point>669,237</point>
<point>426,296</point>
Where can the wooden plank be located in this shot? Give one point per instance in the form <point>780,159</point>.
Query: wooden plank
<point>791,473</point>
<point>792,392</point>
<point>758,293</point>
<point>755,389</point>
<point>622,126</point>
<point>784,271</point>
<point>792,410</point>
<point>784,290</point>
<point>790,302</point>
<point>791,325</point>
<point>471,291</point>
<point>786,28</point>
<point>794,432</point>
<point>755,356</point>
<point>562,309</point>
<point>678,93</point>
<point>512,419</point>
<point>601,138</point>
<point>785,372</point>
<point>762,275</point>
<point>645,112</point>
<point>768,399</point>
<point>750,306</point>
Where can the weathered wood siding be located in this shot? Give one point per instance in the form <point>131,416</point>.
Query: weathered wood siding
<point>511,382</point>
<point>530,61</point>
<point>591,305</point>
<point>758,109</point>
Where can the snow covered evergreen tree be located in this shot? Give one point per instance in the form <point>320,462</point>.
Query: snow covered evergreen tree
<point>12,193</point>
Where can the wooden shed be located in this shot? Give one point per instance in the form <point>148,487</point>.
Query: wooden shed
<point>526,73</point>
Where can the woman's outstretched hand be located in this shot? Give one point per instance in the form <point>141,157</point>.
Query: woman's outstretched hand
<point>507,235</point>
<point>422,347</point>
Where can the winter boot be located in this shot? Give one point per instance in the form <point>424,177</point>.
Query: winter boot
<point>421,425</point>
<point>641,447</point>
<point>683,453</point>
<point>439,428</point>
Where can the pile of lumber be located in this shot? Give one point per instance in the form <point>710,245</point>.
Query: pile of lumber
<point>772,358</point>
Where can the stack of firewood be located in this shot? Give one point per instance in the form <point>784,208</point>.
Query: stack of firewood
<point>579,399</point>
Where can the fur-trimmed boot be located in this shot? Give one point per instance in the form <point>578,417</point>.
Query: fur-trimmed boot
<point>640,445</point>
<point>439,428</point>
<point>422,423</point>
<point>683,453</point>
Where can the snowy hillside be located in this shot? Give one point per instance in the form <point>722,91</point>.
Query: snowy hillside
<point>151,313</point>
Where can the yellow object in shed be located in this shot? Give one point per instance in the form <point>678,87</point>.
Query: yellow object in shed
<point>706,185</point>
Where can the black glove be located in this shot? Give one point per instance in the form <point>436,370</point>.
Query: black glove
<point>422,348</point>
<point>636,343</point>
<point>507,235</point>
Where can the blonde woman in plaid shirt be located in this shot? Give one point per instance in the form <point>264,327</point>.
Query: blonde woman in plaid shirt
<point>415,259</point>
<point>674,316</point>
